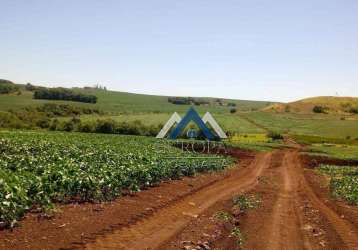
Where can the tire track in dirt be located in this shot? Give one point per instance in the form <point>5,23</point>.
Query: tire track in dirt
<point>152,232</point>
<point>345,230</point>
<point>287,221</point>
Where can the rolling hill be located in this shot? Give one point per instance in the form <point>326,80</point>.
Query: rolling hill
<point>329,104</point>
<point>122,102</point>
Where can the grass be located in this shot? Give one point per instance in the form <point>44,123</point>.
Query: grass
<point>254,142</point>
<point>330,126</point>
<point>250,138</point>
<point>339,151</point>
<point>331,104</point>
<point>310,139</point>
<point>121,102</point>
<point>229,122</point>
<point>249,127</point>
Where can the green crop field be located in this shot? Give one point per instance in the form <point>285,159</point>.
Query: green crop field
<point>343,181</point>
<point>339,151</point>
<point>317,125</point>
<point>38,169</point>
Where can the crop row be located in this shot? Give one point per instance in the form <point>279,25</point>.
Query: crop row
<point>39,169</point>
<point>344,182</point>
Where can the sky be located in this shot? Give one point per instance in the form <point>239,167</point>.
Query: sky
<point>280,50</point>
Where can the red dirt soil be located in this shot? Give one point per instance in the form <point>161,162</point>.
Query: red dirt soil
<point>296,212</point>
<point>290,216</point>
<point>75,224</point>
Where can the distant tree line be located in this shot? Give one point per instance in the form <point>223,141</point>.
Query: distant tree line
<point>198,101</point>
<point>97,86</point>
<point>7,87</point>
<point>187,101</point>
<point>30,87</point>
<point>347,108</point>
<point>63,94</point>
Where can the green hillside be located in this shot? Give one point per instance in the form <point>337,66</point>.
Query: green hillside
<point>122,102</point>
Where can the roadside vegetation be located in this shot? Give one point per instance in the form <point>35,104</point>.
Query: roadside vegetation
<point>338,151</point>
<point>343,182</point>
<point>241,204</point>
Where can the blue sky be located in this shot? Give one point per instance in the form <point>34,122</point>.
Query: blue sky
<point>262,50</point>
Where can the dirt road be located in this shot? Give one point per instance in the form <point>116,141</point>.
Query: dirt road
<point>294,213</point>
<point>156,230</point>
<point>284,225</point>
<point>288,224</point>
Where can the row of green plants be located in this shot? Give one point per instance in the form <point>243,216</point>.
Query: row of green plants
<point>343,182</point>
<point>39,169</point>
<point>240,205</point>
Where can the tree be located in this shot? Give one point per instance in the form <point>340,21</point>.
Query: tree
<point>233,110</point>
<point>319,109</point>
<point>63,94</point>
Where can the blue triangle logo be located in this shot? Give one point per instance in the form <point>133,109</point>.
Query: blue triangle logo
<point>192,115</point>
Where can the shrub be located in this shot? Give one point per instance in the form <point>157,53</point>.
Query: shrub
<point>233,110</point>
<point>7,87</point>
<point>54,125</point>
<point>86,127</point>
<point>353,110</point>
<point>30,87</point>
<point>43,123</point>
<point>68,126</point>
<point>9,120</point>
<point>319,109</point>
<point>274,135</point>
<point>105,126</point>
